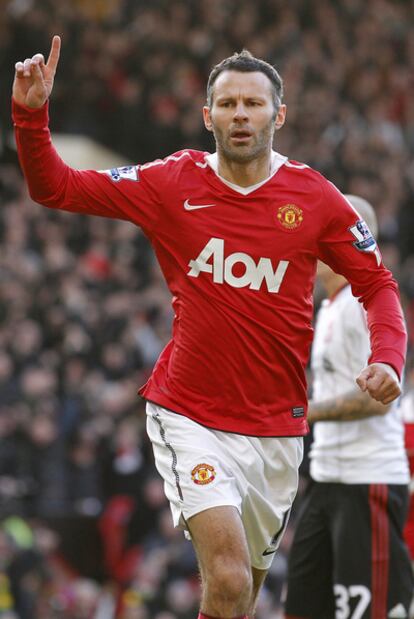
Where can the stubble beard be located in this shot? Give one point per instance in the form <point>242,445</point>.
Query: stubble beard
<point>262,144</point>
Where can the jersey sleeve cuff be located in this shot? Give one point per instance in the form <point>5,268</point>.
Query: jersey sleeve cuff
<point>28,117</point>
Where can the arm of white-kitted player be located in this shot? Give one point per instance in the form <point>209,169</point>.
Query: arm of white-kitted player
<point>354,340</point>
<point>349,406</point>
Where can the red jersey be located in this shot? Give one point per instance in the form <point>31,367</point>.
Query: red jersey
<point>240,264</point>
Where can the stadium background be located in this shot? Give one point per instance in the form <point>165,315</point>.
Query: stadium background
<point>85,530</point>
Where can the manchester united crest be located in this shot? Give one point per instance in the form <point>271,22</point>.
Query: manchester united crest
<point>203,474</point>
<point>290,216</point>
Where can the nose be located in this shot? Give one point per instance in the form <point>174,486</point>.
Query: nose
<point>240,112</point>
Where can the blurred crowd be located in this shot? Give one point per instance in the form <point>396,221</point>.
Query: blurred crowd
<point>85,530</point>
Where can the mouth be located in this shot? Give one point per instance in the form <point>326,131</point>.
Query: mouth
<point>240,136</point>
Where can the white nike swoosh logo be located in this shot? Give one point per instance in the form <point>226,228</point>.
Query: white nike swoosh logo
<point>193,207</point>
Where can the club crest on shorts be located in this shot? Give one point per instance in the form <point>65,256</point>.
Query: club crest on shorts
<point>203,474</point>
<point>290,216</point>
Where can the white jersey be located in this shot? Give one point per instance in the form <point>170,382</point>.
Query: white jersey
<point>366,451</point>
<point>407,406</point>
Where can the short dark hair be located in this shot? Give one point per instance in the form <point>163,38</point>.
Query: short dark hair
<point>245,62</point>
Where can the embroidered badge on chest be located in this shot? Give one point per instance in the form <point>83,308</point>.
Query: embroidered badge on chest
<point>289,216</point>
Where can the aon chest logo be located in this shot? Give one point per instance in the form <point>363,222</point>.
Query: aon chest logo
<point>211,260</point>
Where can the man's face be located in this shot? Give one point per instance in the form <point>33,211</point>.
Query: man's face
<point>242,115</point>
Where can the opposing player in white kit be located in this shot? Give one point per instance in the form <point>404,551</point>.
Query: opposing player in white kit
<point>348,559</point>
<point>237,234</point>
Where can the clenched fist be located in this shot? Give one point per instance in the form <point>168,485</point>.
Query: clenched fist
<point>380,381</point>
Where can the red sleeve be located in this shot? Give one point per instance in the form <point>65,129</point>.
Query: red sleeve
<point>122,193</point>
<point>349,249</point>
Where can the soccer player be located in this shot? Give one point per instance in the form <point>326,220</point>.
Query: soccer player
<point>348,558</point>
<point>237,234</point>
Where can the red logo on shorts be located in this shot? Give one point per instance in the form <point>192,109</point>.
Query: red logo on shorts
<point>203,474</point>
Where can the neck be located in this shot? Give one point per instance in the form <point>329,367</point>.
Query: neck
<point>246,173</point>
<point>333,284</point>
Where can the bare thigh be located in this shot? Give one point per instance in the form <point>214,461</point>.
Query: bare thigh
<point>218,535</point>
<point>220,543</point>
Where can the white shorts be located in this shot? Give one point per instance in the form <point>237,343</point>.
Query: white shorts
<point>204,468</point>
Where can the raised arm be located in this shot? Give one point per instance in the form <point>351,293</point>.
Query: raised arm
<point>124,193</point>
<point>33,80</point>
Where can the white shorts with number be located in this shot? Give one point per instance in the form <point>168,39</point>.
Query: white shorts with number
<point>204,468</point>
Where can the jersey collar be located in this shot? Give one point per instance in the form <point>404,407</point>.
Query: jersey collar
<point>276,163</point>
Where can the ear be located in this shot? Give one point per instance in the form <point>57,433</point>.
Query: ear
<point>280,117</point>
<point>207,118</point>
